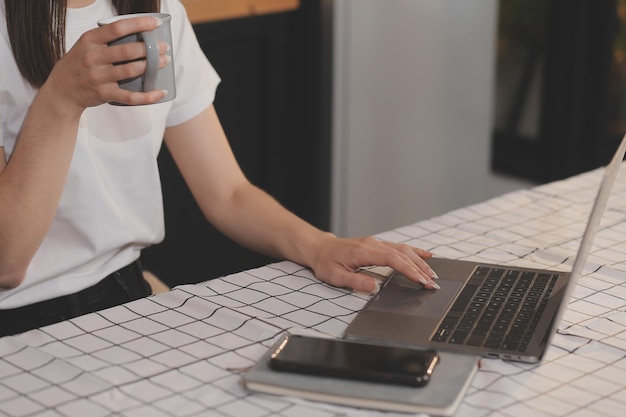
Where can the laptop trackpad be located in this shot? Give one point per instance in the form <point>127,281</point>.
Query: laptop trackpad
<point>405,297</point>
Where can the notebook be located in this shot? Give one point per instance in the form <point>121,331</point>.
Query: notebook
<point>441,396</point>
<point>487,309</point>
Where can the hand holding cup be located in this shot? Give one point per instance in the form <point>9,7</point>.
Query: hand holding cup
<point>155,76</point>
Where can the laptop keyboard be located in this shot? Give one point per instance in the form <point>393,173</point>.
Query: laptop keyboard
<point>498,309</point>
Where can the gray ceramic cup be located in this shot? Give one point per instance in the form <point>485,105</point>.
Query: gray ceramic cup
<point>154,78</point>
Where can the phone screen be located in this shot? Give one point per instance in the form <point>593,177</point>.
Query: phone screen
<point>354,360</point>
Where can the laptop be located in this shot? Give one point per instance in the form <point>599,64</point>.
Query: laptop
<point>486,309</point>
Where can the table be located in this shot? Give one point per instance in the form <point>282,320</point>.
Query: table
<point>181,353</point>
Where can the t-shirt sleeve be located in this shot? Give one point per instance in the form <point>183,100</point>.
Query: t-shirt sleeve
<point>196,79</point>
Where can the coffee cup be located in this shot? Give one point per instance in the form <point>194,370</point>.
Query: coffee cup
<point>154,78</point>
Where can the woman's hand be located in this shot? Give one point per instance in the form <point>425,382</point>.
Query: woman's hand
<point>86,76</point>
<point>338,261</point>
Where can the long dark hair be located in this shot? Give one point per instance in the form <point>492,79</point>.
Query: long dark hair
<point>37,32</point>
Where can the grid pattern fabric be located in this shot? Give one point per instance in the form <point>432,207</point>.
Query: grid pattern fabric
<point>182,353</point>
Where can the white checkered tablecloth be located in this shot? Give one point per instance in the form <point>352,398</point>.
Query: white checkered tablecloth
<point>181,353</point>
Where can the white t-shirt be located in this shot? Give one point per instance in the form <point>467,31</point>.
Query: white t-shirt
<point>111,207</point>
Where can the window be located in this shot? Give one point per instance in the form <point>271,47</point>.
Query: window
<point>560,89</point>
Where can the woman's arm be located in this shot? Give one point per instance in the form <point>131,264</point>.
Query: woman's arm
<point>32,182</point>
<point>251,217</point>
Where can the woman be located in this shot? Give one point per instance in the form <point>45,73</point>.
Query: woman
<point>79,184</point>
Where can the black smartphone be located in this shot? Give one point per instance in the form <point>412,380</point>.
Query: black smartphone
<point>351,359</point>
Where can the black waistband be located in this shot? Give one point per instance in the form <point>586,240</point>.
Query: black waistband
<point>123,285</point>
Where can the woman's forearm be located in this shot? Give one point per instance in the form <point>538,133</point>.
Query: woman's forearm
<point>31,183</point>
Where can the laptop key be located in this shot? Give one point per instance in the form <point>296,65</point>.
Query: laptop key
<point>475,340</point>
<point>493,343</point>
<point>458,337</point>
<point>509,345</point>
<point>441,335</point>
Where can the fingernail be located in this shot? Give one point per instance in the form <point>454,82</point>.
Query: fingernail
<point>168,59</point>
<point>165,92</point>
<point>159,21</point>
<point>435,285</point>
<point>375,289</point>
<point>423,280</point>
<point>167,46</point>
<point>432,273</point>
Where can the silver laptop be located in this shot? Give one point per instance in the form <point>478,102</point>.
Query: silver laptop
<point>493,310</point>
